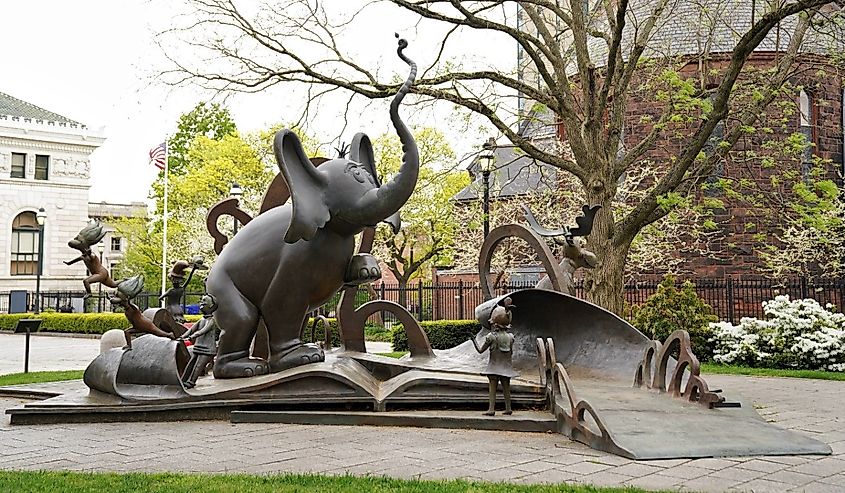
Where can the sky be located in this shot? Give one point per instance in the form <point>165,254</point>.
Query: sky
<point>95,61</point>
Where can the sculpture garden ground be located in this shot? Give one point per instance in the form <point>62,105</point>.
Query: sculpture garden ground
<point>810,407</point>
<point>567,366</point>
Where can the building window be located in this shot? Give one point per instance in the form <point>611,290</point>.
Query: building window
<point>115,243</point>
<point>18,165</point>
<point>42,167</point>
<point>808,112</point>
<point>24,245</point>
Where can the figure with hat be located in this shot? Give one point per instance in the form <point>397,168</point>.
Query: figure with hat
<point>175,294</point>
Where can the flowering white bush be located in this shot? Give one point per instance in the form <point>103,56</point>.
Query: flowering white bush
<point>796,334</point>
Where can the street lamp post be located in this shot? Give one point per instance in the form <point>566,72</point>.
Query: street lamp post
<point>41,218</point>
<point>236,192</point>
<point>486,163</point>
<point>100,248</point>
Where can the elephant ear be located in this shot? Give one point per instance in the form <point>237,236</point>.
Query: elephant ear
<point>307,187</point>
<point>361,151</point>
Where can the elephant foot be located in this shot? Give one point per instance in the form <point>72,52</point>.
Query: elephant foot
<point>239,365</point>
<point>301,354</point>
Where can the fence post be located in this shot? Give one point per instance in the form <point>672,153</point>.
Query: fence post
<point>730,296</point>
<point>803,281</point>
<point>419,299</point>
<point>461,299</point>
<point>841,304</point>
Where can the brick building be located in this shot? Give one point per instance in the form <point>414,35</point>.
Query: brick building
<point>698,38</point>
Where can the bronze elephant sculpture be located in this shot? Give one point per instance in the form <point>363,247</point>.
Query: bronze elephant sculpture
<point>291,259</point>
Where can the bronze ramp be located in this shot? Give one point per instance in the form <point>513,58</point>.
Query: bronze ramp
<point>589,358</point>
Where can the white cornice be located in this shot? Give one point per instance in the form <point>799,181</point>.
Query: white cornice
<point>34,142</point>
<point>21,182</point>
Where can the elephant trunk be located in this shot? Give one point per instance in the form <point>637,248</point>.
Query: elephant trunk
<point>384,201</point>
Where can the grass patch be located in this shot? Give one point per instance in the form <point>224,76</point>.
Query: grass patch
<point>39,377</point>
<point>284,483</point>
<point>771,372</point>
<point>394,354</point>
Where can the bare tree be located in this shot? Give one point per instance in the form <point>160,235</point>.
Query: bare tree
<point>583,58</point>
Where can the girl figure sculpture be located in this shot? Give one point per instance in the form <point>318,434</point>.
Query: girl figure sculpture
<point>204,335</point>
<point>500,343</point>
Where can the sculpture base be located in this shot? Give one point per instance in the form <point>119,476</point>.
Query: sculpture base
<point>583,377</point>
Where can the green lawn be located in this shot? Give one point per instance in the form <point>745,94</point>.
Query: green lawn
<point>72,482</point>
<point>40,377</point>
<point>771,372</point>
<point>394,354</point>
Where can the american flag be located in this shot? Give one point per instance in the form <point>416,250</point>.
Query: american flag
<point>158,154</point>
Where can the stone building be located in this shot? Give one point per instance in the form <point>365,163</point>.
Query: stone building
<point>114,244</point>
<point>44,163</point>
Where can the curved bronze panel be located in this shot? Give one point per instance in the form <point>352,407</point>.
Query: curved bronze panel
<point>516,230</point>
<point>644,371</point>
<point>417,340</point>
<point>228,207</point>
<point>148,371</point>
<point>352,326</point>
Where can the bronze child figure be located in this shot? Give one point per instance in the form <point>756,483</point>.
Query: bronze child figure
<point>204,335</point>
<point>89,236</point>
<point>177,277</point>
<point>500,366</point>
<point>126,290</point>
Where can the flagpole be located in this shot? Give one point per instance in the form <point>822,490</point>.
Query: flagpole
<point>164,237</point>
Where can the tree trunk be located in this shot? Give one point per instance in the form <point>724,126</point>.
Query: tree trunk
<point>375,318</point>
<point>403,291</point>
<point>604,285</point>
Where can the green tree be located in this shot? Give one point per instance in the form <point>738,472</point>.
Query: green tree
<point>674,308</point>
<point>428,218</point>
<point>211,165</point>
<point>580,62</point>
<point>206,119</point>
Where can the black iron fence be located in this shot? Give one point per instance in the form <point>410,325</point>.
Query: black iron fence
<point>731,299</point>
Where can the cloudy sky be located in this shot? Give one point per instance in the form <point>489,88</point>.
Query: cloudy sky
<point>94,61</point>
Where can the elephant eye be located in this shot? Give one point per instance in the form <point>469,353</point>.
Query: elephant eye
<point>360,173</point>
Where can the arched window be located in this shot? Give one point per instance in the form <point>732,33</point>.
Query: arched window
<point>24,245</point>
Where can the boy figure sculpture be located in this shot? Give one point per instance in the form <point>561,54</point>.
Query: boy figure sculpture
<point>89,236</point>
<point>500,343</point>
<point>204,335</point>
<point>177,278</point>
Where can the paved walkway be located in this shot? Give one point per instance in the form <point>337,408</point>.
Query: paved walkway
<point>46,352</point>
<point>809,406</point>
<point>70,353</point>
<point>813,407</point>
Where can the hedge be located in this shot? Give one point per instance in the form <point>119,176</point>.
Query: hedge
<point>442,334</point>
<point>78,323</point>
<point>674,308</point>
<point>99,323</point>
